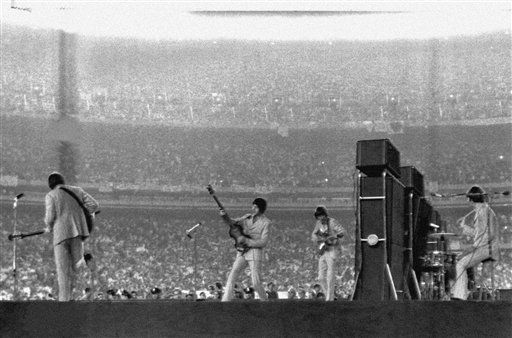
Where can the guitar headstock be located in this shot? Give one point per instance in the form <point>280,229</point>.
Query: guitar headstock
<point>210,189</point>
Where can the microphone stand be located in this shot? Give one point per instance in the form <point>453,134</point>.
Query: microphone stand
<point>193,239</point>
<point>14,248</point>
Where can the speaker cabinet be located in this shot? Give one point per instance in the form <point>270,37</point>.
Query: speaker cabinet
<point>373,156</point>
<point>381,213</point>
<point>421,229</point>
<point>412,179</point>
<point>392,204</point>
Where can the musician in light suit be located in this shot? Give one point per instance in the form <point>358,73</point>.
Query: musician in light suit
<point>65,218</point>
<point>256,227</point>
<point>481,224</point>
<point>327,233</point>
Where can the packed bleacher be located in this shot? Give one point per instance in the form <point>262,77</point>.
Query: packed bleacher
<point>155,157</point>
<point>243,83</point>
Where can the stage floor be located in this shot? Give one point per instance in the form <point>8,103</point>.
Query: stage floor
<point>282,318</point>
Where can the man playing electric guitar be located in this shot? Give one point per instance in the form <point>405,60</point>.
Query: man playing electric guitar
<point>236,230</point>
<point>326,234</point>
<point>255,230</point>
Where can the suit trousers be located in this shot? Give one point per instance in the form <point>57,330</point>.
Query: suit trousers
<point>466,261</point>
<point>69,258</point>
<point>238,266</point>
<point>327,274</point>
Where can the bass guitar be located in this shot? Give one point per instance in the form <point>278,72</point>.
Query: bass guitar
<point>235,229</point>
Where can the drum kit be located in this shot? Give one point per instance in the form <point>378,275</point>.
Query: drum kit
<point>438,264</point>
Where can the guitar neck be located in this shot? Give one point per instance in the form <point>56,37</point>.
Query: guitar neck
<point>35,233</point>
<point>221,207</point>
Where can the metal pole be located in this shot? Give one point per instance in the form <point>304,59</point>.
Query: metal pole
<point>195,263</point>
<point>384,231</point>
<point>358,261</point>
<point>408,271</point>
<point>391,284</point>
<point>14,249</point>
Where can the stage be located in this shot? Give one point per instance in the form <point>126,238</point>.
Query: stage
<point>256,319</point>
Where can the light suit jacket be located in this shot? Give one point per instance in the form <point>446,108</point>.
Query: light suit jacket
<point>258,231</point>
<point>64,216</point>
<point>484,228</point>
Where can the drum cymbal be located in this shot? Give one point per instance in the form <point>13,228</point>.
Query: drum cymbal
<point>441,234</point>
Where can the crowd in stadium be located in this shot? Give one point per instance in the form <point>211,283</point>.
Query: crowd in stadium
<point>262,83</point>
<point>251,159</point>
<point>135,97</point>
<point>148,255</point>
<point>244,84</point>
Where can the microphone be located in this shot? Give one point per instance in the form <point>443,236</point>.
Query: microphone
<point>189,231</point>
<point>504,193</point>
<point>13,236</point>
<point>15,204</point>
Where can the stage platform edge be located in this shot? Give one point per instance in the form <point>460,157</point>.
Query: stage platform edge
<point>283,318</point>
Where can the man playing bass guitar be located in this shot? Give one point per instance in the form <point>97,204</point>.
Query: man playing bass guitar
<point>255,227</point>
<point>326,235</point>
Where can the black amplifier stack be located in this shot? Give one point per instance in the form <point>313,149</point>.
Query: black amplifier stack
<point>393,221</point>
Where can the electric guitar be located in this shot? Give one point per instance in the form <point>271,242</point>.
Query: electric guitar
<point>326,242</point>
<point>23,235</point>
<point>235,229</point>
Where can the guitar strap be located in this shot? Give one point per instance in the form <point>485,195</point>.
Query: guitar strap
<point>75,197</point>
<point>82,206</point>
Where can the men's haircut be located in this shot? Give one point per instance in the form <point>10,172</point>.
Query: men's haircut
<point>476,194</point>
<point>261,204</point>
<point>320,211</point>
<point>54,179</point>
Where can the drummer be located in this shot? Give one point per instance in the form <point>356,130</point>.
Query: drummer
<point>481,225</point>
